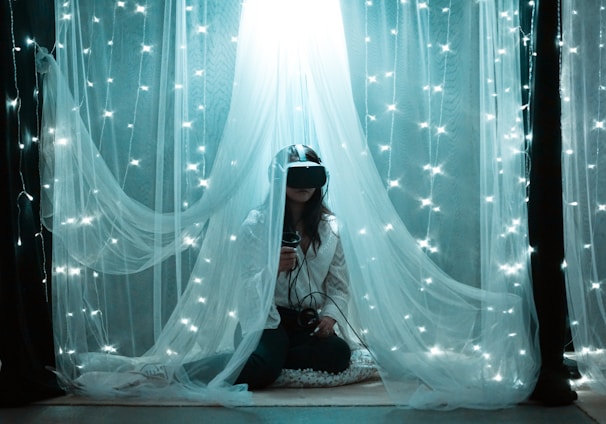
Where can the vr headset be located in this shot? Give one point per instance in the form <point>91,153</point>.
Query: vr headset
<point>305,173</point>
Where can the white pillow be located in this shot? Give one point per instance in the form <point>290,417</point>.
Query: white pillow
<point>361,368</point>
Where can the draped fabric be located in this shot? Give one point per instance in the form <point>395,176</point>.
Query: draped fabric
<point>160,123</point>
<point>583,162</point>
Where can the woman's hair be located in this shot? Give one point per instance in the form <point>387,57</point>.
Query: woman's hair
<point>315,209</point>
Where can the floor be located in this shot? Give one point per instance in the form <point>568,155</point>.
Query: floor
<point>361,403</point>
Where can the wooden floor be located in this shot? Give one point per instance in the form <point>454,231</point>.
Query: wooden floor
<point>359,403</point>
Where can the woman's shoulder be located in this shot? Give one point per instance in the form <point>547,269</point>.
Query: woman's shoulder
<point>331,222</point>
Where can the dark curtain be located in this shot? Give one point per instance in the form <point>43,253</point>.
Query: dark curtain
<point>545,211</point>
<point>26,345</point>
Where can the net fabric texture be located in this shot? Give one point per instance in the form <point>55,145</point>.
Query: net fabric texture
<point>161,121</point>
<point>584,197</point>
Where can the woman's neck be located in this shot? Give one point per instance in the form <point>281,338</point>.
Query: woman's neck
<point>296,212</point>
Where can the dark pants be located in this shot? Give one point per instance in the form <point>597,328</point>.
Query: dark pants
<point>292,346</point>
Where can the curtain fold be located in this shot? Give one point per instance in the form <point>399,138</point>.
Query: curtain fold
<point>160,124</point>
<point>584,198</point>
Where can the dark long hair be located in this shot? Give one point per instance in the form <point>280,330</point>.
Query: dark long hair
<point>315,209</point>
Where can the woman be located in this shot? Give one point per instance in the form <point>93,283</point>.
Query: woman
<point>311,291</point>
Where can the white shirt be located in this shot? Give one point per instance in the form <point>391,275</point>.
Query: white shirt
<point>322,279</point>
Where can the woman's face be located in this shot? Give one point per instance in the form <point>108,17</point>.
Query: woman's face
<point>299,195</point>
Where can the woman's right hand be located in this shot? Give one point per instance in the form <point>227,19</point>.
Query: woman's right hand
<point>288,259</point>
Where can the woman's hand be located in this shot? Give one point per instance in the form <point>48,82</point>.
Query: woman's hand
<point>288,259</point>
<point>326,327</point>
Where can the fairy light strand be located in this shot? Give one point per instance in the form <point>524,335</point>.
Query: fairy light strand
<point>141,9</point>
<point>438,135</point>
<point>393,96</point>
<point>16,104</point>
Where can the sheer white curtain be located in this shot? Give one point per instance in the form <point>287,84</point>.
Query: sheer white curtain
<point>161,119</point>
<point>584,162</point>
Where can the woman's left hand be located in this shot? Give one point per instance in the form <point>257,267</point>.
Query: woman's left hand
<point>325,327</point>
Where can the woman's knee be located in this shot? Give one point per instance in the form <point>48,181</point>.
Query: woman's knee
<point>259,372</point>
<point>265,364</point>
<point>342,355</point>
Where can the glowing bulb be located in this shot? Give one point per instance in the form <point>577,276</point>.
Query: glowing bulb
<point>426,202</point>
<point>75,271</point>
<point>109,349</point>
<point>435,351</point>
